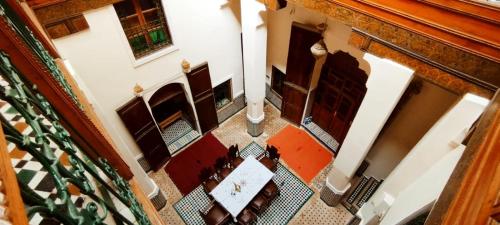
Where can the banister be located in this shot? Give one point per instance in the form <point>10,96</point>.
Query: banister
<point>10,193</point>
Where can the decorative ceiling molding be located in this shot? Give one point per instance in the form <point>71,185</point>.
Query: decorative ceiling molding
<point>404,33</point>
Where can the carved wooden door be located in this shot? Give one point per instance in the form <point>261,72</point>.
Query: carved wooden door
<point>340,92</point>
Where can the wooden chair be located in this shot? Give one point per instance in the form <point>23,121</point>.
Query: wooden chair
<point>246,217</point>
<point>222,167</point>
<point>259,203</point>
<point>234,156</point>
<point>208,180</point>
<point>215,214</point>
<point>270,158</point>
<point>271,190</point>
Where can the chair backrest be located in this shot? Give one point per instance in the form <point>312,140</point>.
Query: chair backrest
<point>220,162</point>
<point>233,151</point>
<point>273,153</point>
<point>205,173</point>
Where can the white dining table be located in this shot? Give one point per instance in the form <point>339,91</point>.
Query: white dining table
<point>251,176</point>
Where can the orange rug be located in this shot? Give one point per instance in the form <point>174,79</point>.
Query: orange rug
<point>301,152</point>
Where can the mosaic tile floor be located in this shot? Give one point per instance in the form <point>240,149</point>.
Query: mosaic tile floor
<point>233,131</point>
<point>293,195</point>
<point>320,134</point>
<point>178,135</point>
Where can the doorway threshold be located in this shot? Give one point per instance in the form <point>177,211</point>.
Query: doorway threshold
<point>321,135</point>
<point>178,135</point>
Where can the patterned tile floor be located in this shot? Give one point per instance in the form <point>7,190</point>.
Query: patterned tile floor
<point>293,195</point>
<point>320,134</point>
<point>178,135</point>
<point>233,131</point>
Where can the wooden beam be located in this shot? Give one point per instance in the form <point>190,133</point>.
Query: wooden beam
<point>150,210</point>
<point>471,194</point>
<point>9,187</point>
<point>449,21</point>
<point>468,8</point>
<point>334,8</point>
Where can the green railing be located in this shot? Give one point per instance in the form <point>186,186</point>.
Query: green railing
<point>103,189</point>
<point>47,137</point>
<point>38,49</point>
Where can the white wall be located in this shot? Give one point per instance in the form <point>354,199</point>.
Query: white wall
<point>409,124</point>
<point>434,145</point>
<point>202,31</point>
<point>279,28</point>
<point>419,196</point>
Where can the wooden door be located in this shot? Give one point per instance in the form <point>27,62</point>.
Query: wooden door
<point>142,127</point>
<point>203,96</point>
<point>340,92</point>
<point>300,64</point>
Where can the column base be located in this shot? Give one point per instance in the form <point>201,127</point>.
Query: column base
<point>255,127</point>
<point>158,199</point>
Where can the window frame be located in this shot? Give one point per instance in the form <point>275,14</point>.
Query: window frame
<point>152,51</point>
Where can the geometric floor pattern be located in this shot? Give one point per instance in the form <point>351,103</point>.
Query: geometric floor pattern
<point>178,135</point>
<point>233,131</point>
<point>320,134</point>
<point>30,171</point>
<point>293,195</point>
<point>362,190</point>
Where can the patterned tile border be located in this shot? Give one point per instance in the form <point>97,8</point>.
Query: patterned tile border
<point>294,194</point>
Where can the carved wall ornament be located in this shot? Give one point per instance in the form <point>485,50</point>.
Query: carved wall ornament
<point>138,89</point>
<point>186,66</point>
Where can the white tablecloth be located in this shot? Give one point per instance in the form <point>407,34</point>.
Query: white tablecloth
<point>251,175</point>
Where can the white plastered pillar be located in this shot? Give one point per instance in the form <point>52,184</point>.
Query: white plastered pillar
<point>254,31</point>
<point>386,84</point>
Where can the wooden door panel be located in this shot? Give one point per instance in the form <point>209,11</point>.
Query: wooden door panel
<point>293,104</point>
<point>204,102</point>
<point>207,114</point>
<point>341,90</point>
<point>299,67</point>
<point>137,117</point>
<point>199,81</point>
<point>300,61</point>
<point>142,127</point>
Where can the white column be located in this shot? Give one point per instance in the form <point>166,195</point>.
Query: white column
<point>254,31</point>
<point>386,84</point>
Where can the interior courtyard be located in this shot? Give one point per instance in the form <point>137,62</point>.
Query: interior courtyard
<point>268,112</point>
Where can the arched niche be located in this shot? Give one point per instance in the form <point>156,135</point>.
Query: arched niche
<point>169,104</point>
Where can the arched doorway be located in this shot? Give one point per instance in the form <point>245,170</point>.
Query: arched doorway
<point>174,116</point>
<point>341,89</point>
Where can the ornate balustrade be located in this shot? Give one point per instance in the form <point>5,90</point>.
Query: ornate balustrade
<point>33,130</point>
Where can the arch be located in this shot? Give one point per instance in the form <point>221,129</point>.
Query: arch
<point>170,103</point>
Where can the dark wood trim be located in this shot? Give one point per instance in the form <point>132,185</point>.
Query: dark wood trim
<point>36,32</point>
<point>74,119</point>
<point>454,72</point>
<point>471,194</point>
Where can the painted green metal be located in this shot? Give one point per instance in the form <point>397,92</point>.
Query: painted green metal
<point>43,120</point>
<point>27,36</point>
